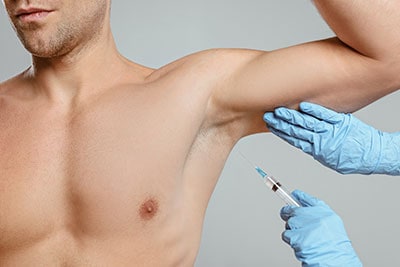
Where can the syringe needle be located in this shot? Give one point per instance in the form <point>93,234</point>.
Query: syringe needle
<point>247,160</point>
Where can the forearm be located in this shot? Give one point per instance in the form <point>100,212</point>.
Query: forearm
<point>345,73</point>
<point>364,66</point>
<point>358,70</point>
<point>370,27</point>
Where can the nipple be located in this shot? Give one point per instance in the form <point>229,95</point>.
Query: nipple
<point>148,209</point>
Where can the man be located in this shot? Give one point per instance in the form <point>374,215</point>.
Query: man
<point>83,128</point>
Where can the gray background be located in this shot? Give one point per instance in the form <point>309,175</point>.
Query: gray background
<point>242,225</point>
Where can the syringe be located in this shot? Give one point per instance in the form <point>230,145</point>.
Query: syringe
<point>274,185</point>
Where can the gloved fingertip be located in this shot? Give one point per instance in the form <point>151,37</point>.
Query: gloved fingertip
<point>285,237</point>
<point>297,191</point>
<point>282,112</point>
<point>305,199</point>
<point>285,209</point>
<point>298,194</point>
<point>286,212</point>
<point>311,108</point>
<point>304,106</point>
<point>274,131</point>
<point>268,116</point>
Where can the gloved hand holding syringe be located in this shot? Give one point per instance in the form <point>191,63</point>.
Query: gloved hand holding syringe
<point>314,231</point>
<point>274,185</point>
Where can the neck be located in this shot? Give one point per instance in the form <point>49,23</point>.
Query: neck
<point>82,72</point>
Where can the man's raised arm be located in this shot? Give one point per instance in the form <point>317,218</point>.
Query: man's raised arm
<point>369,27</point>
<point>345,73</point>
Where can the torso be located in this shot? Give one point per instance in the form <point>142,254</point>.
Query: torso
<point>121,180</point>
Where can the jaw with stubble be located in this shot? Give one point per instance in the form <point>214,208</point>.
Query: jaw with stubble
<point>48,32</point>
<point>48,44</point>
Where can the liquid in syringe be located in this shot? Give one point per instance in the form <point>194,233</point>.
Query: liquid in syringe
<point>274,185</point>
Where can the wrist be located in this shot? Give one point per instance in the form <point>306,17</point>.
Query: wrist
<point>389,160</point>
<point>364,148</point>
<point>338,256</point>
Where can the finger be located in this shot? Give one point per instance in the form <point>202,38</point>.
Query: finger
<point>291,237</point>
<point>304,145</point>
<point>297,118</point>
<point>321,112</point>
<point>292,126</point>
<point>307,200</point>
<point>296,221</point>
<point>269,117</point>
<point>292,130</point>
<point>272,121</point>
<point>287,212</point>
<point>286,237</point>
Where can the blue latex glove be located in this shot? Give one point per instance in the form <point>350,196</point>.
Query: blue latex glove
<point>316,234</point>
<point>339,141</point>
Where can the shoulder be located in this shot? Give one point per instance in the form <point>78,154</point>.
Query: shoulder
<point>12,82</point>
<point>213,63</point>
<point>4,85</point>
<point>13,87</point>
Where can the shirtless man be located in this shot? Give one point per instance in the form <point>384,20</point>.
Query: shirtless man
<point>82,128</point>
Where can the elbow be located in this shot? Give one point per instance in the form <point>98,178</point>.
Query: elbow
<point>390,70</point>
<point>386,70</point>
<point>387,58</point>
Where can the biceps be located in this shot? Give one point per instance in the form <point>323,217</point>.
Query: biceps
<point>325,72</point>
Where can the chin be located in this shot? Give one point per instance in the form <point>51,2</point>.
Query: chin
<point>43,49</point>
<point>39,51</point>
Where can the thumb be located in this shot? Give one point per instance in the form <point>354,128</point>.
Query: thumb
<point>307,200</point>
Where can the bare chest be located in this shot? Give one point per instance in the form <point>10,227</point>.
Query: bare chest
<point>109,172</point>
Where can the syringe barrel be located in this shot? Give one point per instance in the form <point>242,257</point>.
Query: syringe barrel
<point>282,192</point>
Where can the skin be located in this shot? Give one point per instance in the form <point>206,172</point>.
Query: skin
<point>83,129</point>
